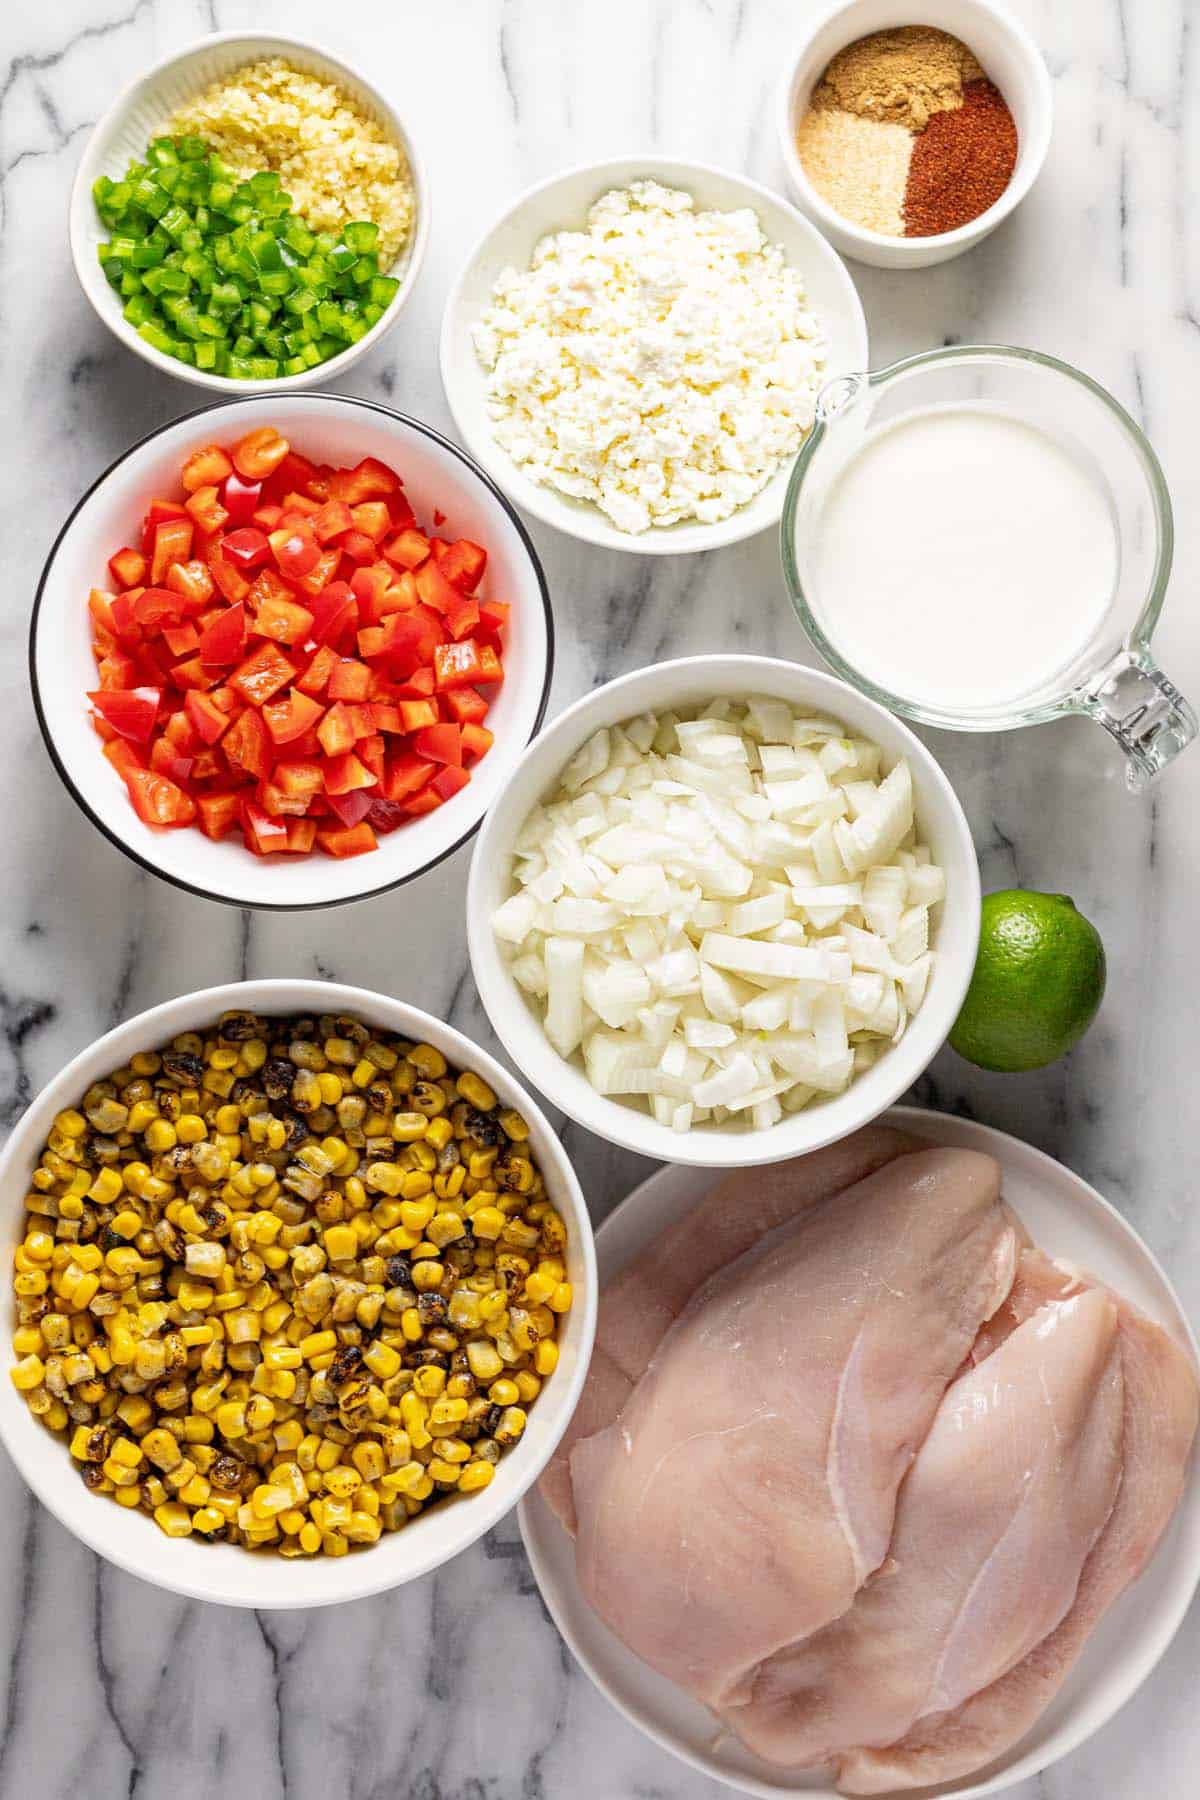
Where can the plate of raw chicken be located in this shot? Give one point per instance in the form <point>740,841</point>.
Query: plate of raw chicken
<point>880,1482</point>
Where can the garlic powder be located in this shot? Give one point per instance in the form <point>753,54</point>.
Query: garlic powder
<point>661,363</point>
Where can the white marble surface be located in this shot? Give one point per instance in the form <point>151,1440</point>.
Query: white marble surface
<point>457,1688</point>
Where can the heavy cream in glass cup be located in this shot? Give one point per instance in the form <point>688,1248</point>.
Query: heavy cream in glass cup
<point>980,538</point>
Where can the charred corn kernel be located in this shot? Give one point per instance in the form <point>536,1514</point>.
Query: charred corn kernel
<point>30,1283</point>
<point>341,1243</point>
<point>545,1357</point>
<point>429,1382</point>
<point>488,1222</point>
<point>28,1374</point>
<point>161,1448</point>
<point>423,1158</point>
<point>309,1539</point>
<point>484,1360</point>
<point>476,1091</point>
<point>206,1260</point>
<point>538,1288</point>
<point>446,1227</point>
<point>446,1473</point>
<point>528,1385</point>
<point>409,1127</point>
<point>475,1475</point>
<point>317,1343</point>
<point>173,1518</point>
<point>367,1458</point>
<point>560,1299</point>
<point>504,1392</point>
<point>428,1274</point>
<point>444,1413</point>
<point>428,1061</point>
<point>382,1360</point>
<point>106,1188</point>
<point>416,1209</point>
<point>512,1424</point>
<point>231,1419</point>
<point>160,1136</point>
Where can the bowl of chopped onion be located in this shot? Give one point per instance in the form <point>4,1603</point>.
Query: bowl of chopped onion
<point>724,910</point>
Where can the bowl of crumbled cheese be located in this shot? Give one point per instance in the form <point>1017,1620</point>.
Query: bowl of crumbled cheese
<point>634,352</point>
<point>256,108</point>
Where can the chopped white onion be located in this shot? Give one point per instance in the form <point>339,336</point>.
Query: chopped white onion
<point>726,915</point>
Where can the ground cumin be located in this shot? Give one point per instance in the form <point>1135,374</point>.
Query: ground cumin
<point>903,77</point>
<point>961,163</point>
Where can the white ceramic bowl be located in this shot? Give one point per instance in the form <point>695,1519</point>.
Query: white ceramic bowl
<point>1071,1221</point>
<point>690,681</point>
<point>139,114</point>
<point>226,1573</point>
<point>562,203</point>
<point>1008,55</point>
<point>329,428</point>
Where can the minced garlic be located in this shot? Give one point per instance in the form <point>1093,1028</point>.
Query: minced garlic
<point>336,163</point>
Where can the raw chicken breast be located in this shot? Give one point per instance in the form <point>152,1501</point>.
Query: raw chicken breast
<point>1159,1424</point>
<point>647,1296</point>
<point>1006,1498</point>
<point>748,1488</point>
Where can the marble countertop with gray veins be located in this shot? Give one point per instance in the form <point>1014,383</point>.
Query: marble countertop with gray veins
<point>457,1687</point>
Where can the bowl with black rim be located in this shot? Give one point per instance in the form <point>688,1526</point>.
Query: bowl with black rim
<point>439,479</point>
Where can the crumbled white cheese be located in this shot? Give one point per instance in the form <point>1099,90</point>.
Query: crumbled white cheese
<point>661,363</point>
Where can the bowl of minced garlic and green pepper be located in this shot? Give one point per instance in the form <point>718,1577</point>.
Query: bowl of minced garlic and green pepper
<point>288,1282</point>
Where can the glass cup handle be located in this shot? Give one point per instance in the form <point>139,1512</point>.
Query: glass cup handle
<point>1149,717</point>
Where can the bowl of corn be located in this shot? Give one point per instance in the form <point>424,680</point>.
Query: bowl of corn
<point>303,1294</point>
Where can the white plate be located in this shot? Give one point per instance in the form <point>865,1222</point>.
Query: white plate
<point>1066,1218</point>
<point>562,204</point>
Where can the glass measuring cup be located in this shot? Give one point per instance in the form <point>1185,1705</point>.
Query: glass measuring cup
<point>1113,678</point>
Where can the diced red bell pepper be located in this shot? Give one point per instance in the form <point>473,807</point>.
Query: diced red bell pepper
<point>369,480</point>
<point>247,745</point>
<point>166,760</point>
<point>295,550</point>
<point>128,568</point>
<point>262,674</point>
<point>426,801</point>
<point>420,685</point>
<point>182,732</point>
<point>280,804</point>
<point>240,498</point>
<point>415,715</point>
<point>100,607</point>
<point>321,573</point>
<point>336,730</point>
<point>156,513</point>
<point>332,520</point>
<point>181,640</point>
<point>193,582</point>
<point>490,667</point>
<point>315,679</point>
<point>464,705</point>
<point>157,800</point>
<point>230,582</point>
<point>385,816</point>
<point>407,549</point>
<point>172,544</point>
<point>462,563</point>
<point>117,670</point>
<point>123,616</point>
<point>434,589</point>
<point>303,779</point>
<point>267,518</point>
<point>122,755</point>
<point>349,680</point>
<point>247,547</point>
<point>283,621</point>
<point>301,836</point>
<point>359,547</point>
<point>206,509</point>
<point>206,716</point>
<point>477,740</point>
<point>370,752</point>
<point>401,510</point>
<point>347,840</point>
<point>369,586</point>
<point>463,617</point>
<point>259,453</point>
<point>405,773</point>
<point>218,813</point>
<point>494,616</point>
<point>294,472</point>
<point>440,743</point>
<point>387,717</point>
<point>457,665</point>
<point>221,642</point>
<point>343,774</point>
<point>334,614</point>
<point>450,781</point>
<point>205,468</point>
<point>192,674</point>
<point>132,711</point>
<point>352,807</point>
<point>261,832</point>
<point>373,519</point>
<point>287,719</point>
<point>155,607</point>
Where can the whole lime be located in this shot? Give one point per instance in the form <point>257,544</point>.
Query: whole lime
<point>1038,982</point>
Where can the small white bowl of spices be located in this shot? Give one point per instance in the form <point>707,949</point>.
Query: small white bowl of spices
<point>907,141</point>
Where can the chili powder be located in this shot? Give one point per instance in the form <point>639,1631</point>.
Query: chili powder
<point>961,163</point>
